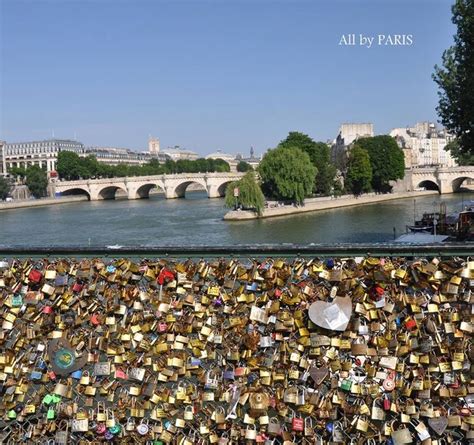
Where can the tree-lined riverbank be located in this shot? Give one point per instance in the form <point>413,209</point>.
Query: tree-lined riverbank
<point>324,203</point>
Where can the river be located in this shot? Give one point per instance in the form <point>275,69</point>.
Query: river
<point>197,220</point>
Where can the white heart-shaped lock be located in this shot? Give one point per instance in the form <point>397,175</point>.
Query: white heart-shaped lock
<point>334,316</point>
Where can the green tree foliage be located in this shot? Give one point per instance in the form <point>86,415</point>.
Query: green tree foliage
<point>455,79</point>
<point>359,171</point>
<point>462,158</point>
<point>287,174</point>
<point>243,167</point>
<point>68,165</point>
<point>71,166</point>
<point>319,154</point>
<point>250,194</point>
<point>386,159</point>
<point>36,181</point>
<point>17,171</point>
<point>4,188</point>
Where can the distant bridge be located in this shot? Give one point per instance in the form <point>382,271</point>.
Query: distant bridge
<point>138,187</point>
<point>443,179</point>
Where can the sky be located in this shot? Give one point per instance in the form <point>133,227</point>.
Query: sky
<point>209,74</point>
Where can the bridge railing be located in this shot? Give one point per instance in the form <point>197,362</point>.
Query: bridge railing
<point>151,178</point>
<point>245,251</point>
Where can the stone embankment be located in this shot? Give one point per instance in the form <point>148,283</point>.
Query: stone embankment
<point>324,203</point>
<point>27,203</point>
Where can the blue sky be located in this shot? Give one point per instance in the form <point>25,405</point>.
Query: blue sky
<point>208,74</point>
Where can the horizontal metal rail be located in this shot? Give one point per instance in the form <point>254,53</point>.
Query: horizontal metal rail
<point>254,250</point>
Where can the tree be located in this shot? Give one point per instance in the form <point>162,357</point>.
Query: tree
<point>319,154</point>
<point>221,166</point>
<point>243,167</point>
<point>17,171</point>
<point>36,181</point>
<point>287,174</point>
<point>250,194</point>
<point>455,79</point>
<point>69,165</point>
<point>462,158</point>
<point>4,188</point>
<point>359,171</point>
<point>386,159</point>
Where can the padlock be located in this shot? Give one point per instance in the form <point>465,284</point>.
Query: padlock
<point>250,432</point>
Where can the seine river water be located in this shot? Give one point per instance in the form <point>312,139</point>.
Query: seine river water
<point>197,220</point>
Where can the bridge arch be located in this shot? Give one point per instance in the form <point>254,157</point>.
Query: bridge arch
<point>180,190</point>
<point>143,191</point>
<point>76,191</point>
<point>457,183</point>
<point>109,192</point>
<point>429,184</point>
<point>223,187</point>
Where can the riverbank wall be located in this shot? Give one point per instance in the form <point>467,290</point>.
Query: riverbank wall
<point>23,204</point>
<point>323,203</point>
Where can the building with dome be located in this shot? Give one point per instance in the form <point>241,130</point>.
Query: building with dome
<point>227,157</point>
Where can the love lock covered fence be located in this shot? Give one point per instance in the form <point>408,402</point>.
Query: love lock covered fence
<point>227,351</point>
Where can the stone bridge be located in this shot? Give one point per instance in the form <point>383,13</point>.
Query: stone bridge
<point>173,186</point>
<point>445,179</point>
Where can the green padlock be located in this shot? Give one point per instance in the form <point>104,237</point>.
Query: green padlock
<point>51,414</point>
<point>48,399</point>
<point>56,398</point>
<point>157,442</point>
<point>116,429</point>
<point>12,414</point>
<point>346,385</point>
<point>17,300</point>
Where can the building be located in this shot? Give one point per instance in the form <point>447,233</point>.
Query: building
<point>348,134</point>
<point>41,153</point>
<point>227,157</point>
<point>116,156</point>
<point>177,153</point>
<point>252,159</point>
<point>3,165</point>
<point>153,146</point>
<point>423,145</point>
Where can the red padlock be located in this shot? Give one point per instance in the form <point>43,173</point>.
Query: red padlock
<point>164,275</point>
<point>35,276</point>
<point>277,293</point>
<point>95,320</point>
<point>410,323</point>
<point>386,403</point>
<point>77,287</point>
<point>47,310</point>
<point>297,424</point>
<point>52,375</point>
<point>120,374</point>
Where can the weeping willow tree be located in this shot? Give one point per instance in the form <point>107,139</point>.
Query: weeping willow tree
<point>250,195</point>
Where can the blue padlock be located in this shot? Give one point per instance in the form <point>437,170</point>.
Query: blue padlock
<point>36,375</point>
<point>41,364</point>
<point>229,374</point>
<point>76,374</point>
<point>111,269</point>
<point>329,263</point>
<point>252,287</point>
<point>195,361</point>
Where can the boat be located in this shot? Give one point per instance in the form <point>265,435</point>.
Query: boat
<point>456,226</point>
